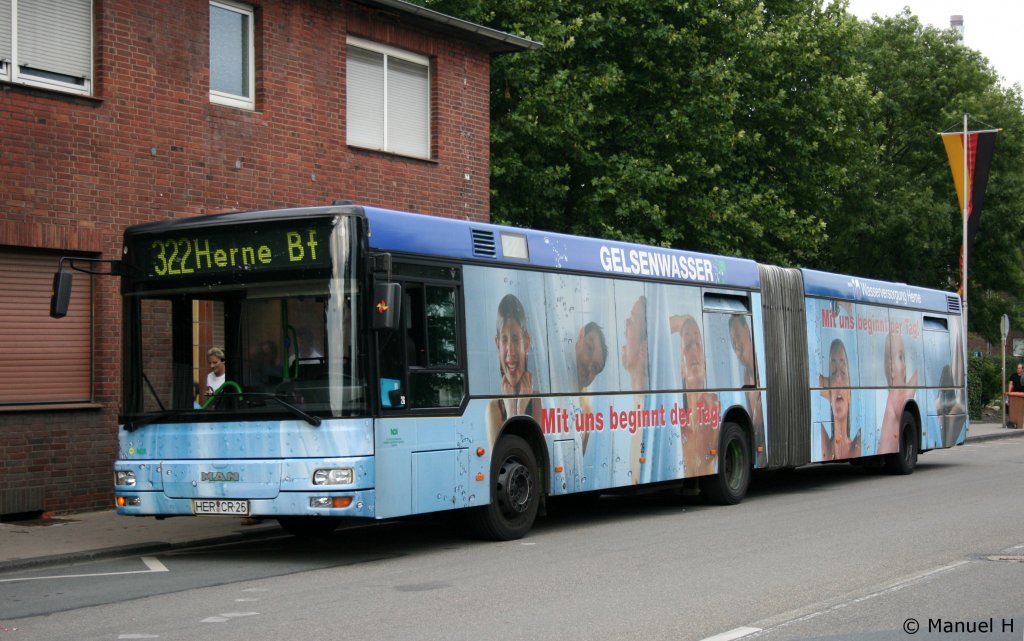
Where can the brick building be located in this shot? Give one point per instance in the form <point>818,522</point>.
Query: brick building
<point>115,112</point>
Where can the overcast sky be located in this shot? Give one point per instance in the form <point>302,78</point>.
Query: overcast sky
<point>993,27</point>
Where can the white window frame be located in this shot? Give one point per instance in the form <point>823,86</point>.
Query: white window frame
<point>409,57</point>
<point>230,99</point>
<point>11,72</point>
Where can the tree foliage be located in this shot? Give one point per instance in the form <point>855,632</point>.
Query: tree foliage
<point>781,130</point>
<point>902,220</point>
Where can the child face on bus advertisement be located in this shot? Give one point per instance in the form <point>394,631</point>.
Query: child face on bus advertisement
<point>839,382</point>
<point>693,354</point>
<point>895,360</point>
<point>742,345</point>
<point>513,343</point>
<point>634,349</point>
<point>591,354</point>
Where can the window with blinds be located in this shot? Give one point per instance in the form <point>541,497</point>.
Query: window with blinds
<point>45,361</point>
<point>388,99</point>
<point>232,55</point>
<point>45,43</point>
<point>5,39</point>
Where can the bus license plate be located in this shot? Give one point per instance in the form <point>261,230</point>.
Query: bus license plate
<point>220,506</point>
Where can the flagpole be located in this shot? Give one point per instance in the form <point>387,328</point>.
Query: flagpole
<point>966,204</point>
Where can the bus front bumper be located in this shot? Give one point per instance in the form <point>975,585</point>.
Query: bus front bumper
<point>355,504</point>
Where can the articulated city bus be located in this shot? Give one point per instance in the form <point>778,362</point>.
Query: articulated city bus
<point>316,364</point>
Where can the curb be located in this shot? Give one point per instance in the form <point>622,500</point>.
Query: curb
<point>1003,433</point>
<point>135,549</point>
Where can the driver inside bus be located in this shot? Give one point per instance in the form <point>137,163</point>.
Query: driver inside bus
<point>217,375</point>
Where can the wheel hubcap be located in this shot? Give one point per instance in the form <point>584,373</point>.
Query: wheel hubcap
<point>515,487</point>
<point>732,467</point>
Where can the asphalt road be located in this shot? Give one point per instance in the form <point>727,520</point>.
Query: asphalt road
<point>828,552</point>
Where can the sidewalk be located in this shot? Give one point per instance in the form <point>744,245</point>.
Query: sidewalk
<point>91,535</point>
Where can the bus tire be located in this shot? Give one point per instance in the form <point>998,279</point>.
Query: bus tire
<point>905,460</point>
<point>729,485</point>
<point>308,527</point>
<point>515,492</point>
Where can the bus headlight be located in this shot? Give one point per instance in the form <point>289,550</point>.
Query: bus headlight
<point>334,476</point>
<point>124,478</point>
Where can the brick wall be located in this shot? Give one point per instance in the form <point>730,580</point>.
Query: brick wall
<point>149,146</point>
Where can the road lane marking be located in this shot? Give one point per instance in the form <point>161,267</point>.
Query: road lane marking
<point>224,617</point>
<point>895,587</point>
<point>152,565</point>
<point>732,635</point>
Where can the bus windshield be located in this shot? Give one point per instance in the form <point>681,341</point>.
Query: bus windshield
<point>247,348</point>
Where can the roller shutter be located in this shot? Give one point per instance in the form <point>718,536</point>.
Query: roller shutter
<point>42,360</point>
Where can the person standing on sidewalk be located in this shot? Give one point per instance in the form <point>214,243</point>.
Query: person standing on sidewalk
<point>1016,384</point>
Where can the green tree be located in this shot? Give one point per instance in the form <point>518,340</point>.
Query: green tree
<point>781,130</point>
<point>720,125</point>
<point>900,220</point>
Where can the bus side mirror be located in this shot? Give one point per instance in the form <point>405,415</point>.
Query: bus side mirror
<point>61,295</point>
<point>387,299</point>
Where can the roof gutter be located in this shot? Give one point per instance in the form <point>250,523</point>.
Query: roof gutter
<point>493,40</point>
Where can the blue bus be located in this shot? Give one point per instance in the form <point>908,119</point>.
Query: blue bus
<point>319,364</point>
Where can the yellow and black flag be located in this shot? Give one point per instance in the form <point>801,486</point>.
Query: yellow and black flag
<point>980,147</point>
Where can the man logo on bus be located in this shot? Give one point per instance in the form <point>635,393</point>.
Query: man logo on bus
<point>219,476</point>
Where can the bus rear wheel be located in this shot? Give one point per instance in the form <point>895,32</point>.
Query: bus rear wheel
<point>905,460</point>
<point>729,486</point>
<point>515,492</point>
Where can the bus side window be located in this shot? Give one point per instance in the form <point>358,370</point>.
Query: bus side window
<point>416,355</point>
<point>437,378</point>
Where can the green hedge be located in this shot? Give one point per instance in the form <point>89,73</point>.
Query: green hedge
<point>985,381</point>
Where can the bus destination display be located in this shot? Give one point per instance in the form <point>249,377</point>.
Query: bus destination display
<point>242,249</point>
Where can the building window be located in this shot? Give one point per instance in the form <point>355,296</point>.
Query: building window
<point>232,55</point>
<point>46,361</point>
<point>47,44</point>
<point>388,99</point>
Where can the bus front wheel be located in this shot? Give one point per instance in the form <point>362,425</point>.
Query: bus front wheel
<point>729,486</point>
<point>905,460</point>
<point>515,492</point>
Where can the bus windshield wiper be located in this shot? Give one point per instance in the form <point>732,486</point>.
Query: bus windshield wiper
<point>315,421</point>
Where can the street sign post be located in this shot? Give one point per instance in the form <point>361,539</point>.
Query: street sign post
<point>1004,329</point>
